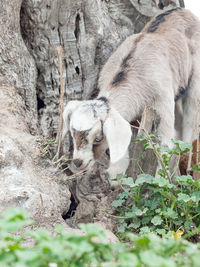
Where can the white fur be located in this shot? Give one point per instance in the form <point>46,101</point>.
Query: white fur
<point>86,154</point>
<point>71,106</point>
<point>118,135</point>
<point>159,64</point>
<point>79,116</point>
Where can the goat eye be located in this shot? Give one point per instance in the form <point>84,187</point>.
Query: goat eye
<point>87,132</point>
<point>98,139</point>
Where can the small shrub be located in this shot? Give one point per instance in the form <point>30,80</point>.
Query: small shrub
<point>155,204</point>
<point>92,249</point>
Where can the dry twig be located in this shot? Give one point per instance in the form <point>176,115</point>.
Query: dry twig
<point>59,134</point>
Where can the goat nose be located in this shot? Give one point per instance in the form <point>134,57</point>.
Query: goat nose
<point>77,162</point>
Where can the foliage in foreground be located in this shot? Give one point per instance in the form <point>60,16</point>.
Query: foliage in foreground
<point>156,204</point>
<point>92,249</point>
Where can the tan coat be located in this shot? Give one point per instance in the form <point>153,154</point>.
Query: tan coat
<point>153,68</point>
<point>159,67</point>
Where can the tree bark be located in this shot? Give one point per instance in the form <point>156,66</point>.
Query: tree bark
<point>30,32</point>
<point>89,31</point>
<point>27,181</point>
<point>142,160</point>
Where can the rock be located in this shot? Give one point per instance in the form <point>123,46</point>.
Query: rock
<point>24,183</point>
<point>112,238</point>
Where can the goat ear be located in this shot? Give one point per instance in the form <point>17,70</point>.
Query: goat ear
<point>118,134</point>
<point>71,106</point>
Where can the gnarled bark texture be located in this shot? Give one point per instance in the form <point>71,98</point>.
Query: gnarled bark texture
<point>26,180</point>
<point>30,32</point>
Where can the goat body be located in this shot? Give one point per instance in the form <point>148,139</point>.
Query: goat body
<point>158,67</point>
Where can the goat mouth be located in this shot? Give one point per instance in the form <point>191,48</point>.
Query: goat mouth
<point>74,169</point>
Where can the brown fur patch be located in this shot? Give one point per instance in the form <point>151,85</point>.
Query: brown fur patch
<point>80,139</point>
<point>160,19</point>
<point>185,157</point>
<point>125,60</point>
<point>121,75</point>
<point>97,151</point>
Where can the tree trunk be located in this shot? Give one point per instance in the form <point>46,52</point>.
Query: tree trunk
<point>143,160</point>
<point>26,180</point>
<point>88,31</point>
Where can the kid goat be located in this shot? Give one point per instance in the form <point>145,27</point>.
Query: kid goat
<point>159,67</point>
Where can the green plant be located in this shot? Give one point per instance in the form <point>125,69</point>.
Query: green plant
<point>47,147</point>
<point>62,249</point>
<point>155,204</point>
<point>92,249</point>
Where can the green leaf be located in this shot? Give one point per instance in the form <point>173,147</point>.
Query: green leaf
<point>141,212</point>
<point>152,136</point>
<point>135,211</point>
<point>40,234</point>
<point>128,181</point>
<point>14,219</point>
<point>125,194</point>
<point>141,138</point>
<point>167,150</point>
<point>196,168</point>
<point>146,220</point>
<point>170,186</point>
<point>161,182</point>
<point>185,180</point>
<point>144,178</point>
<point>118,177</point>
<point>184,197</point>
<point>197,184</point>
<point>157,220</point>
<point>91,228</point>
<point>143,241</point>
<point>135,224</point>
<point>182,146</point>
<point>122,228</point>
<point>151,259</point>
<point>166,159</point>
<point>158,210</point>
<point>59,228</point>
<point>195,259</point>
<point>196,196</point>
<point>148,146</point>
<point>178,222</point>
<point>170,213</point>
<point>145,230</point>
<point>118,203</point>
<point>161,231</point>
<point>152,204</point>
<point>50,140</point>
<point>188,225</point>
<point>128,259</point>
<point>13,214</point>
<point>29,255</point>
